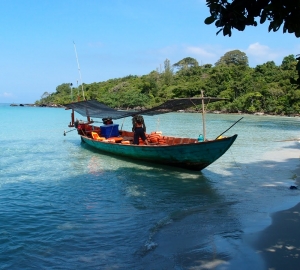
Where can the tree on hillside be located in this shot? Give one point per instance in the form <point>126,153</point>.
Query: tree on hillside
<point>298,68</point>
<point>186,63</point>
<point>45,95</point>
<point>63,88</point>
<point>289,62</point>
<point>237,14</point>
<point>168,72</point>
<point>235,57</point>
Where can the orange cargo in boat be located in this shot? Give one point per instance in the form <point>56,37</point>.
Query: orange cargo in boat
<point>117,139</point>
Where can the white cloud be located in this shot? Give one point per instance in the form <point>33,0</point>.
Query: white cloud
<point>262,53</point>
<point>207,54</point>
<point>198,51</point>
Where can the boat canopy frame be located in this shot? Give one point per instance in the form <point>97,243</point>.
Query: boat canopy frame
<point>96,109</point>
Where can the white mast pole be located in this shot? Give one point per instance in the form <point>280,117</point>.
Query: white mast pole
<point>79,70</point>
<point>77,89</point>
<point>203,116</point>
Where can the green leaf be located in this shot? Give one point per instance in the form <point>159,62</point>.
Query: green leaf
<point>270,26</point>
<point>263,17</point>
<point>226,30</point>
<point>240,27</point>
<point>218,23</point>
<point>210,20</point>
<point>219,31</point>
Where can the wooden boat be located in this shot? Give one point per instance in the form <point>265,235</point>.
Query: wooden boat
<point>188,153</point>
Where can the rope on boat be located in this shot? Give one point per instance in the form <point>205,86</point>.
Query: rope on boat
<point>229,127</point>
<point>68,131</point>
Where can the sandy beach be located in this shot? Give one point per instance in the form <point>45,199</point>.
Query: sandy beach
<point>279,243</point>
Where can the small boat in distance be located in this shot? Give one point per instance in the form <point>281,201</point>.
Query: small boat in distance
<point>189,153</point>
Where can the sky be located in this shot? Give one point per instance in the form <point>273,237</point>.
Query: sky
<point>114,39</point>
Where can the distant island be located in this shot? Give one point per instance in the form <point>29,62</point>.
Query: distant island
<point>37,105</point>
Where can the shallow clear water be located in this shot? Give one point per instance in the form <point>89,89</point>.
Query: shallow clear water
<point>64,205</point>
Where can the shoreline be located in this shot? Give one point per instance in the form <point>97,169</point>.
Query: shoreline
<point>279,244</point>
<point>36,105</point>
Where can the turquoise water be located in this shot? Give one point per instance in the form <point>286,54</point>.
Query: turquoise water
<point>64,205</point>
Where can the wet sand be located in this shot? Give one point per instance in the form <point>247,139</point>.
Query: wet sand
<point>279,244</point>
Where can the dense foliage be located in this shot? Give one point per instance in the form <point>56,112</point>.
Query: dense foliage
<point>267,88</point>
<point>237,14</point>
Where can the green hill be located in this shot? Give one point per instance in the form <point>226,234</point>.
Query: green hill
<point>267,88</point>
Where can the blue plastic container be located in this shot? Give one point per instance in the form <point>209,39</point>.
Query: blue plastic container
<point>200,138</point>
<point>108,131</point>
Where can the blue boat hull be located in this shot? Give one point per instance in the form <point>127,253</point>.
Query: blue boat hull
<point>191,156</point>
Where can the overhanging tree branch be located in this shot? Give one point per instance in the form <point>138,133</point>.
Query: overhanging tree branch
<point>237,14</point>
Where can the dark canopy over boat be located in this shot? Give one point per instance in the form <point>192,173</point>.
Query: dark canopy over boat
<point>93,108</point>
